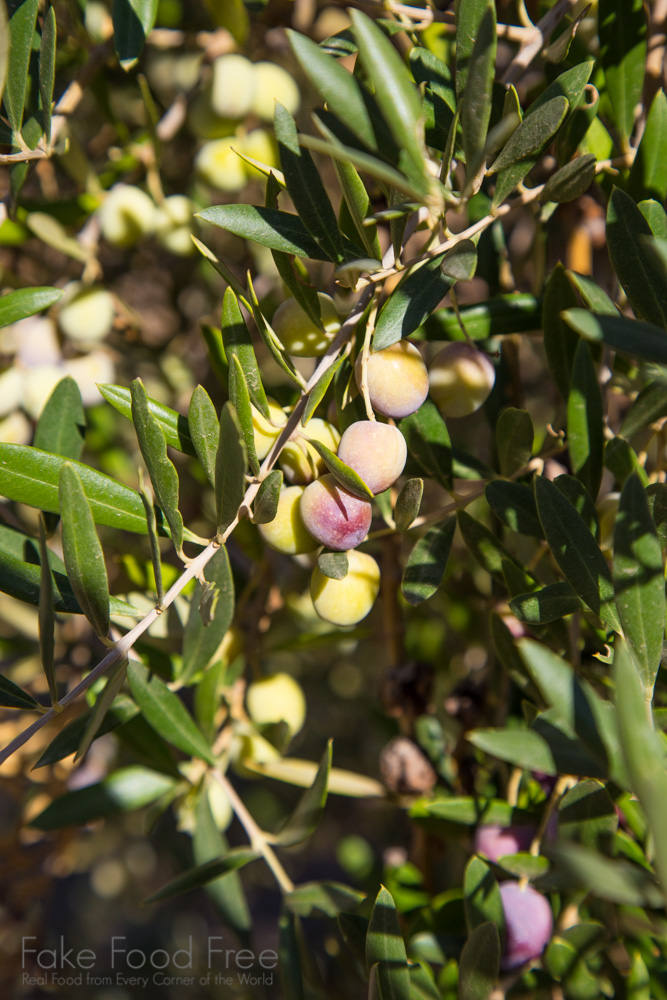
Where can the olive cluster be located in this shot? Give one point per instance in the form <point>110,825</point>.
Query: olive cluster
<point>315,509</point>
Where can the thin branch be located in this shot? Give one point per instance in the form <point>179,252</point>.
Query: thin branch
<point>536,39</point>
<point>256,836</point>
<point>196,565</point>
<point>424,16</point>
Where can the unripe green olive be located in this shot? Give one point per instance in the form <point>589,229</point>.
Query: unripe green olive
<point>300,462</point>
<point>298,333</point>
<point>333,515</point>
<point>273,83</point>
<point>174,225</point>
<point>204,123</point>
<point>86,314</point>
<point>233,86</point>
<point>219,165</point>
<point>461,379</point>
<point>279,698</point>
<point>266,431</point>
<point>258,145</point>
<point>376,451</point>
<point>287,532</point>
<point>347,601</point>
<point>126,214</point>
<point>397,379</point>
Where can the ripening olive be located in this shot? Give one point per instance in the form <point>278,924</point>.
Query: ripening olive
<point>397,379</point>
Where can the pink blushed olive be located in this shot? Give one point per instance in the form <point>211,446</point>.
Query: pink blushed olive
<point>332,515</point>
<point>528,924</point>
<point>299,334</point>
<point>461,379</point>
<point>495,842</point>
<point>347,601</point>
<point>376,451</point>
<point>397,379</point>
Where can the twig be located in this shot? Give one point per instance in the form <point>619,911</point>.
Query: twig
<point>533,43</point>
<point>196,565</point>
<point>257,839</point>
<point>424,16</point>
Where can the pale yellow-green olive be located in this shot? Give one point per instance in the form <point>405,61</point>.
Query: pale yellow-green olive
<point>126,215</point>
<point>11,390</point>
<point>299,334</point>
<point>204,122</point>
<point>397,379</point>
<point>233,86</point>
<point>461,379</point>
<point>259,145</point>
<point>219,165</point>
<point>86,313</point>
<point>273,83</point>
<point>174,224</point>
<point>266,431</point>
<point>347,601</point>
<point>287,533</point>
<point>89,371</point>
<point>377,452</point>
<point>299,460</point>
<point>279,698</point>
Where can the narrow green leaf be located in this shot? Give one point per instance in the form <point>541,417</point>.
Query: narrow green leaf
<point>556,600</point>
<point>408,503</point>
<point>24,302</point>
<point>642,341</point>
<point>68,739</point>
<point>309,809</point>
<point>46,615</point>
<point>132,21</point>
<point>268,336</point>
<point>47,66</point>
<point>428,441</point>
<point>266,226</point>
<point>481,897</point>
<point>12,696</point>
<point>514,505</point>
<point>560,343</point>
<point>570,181</point>
<point>61,426</point>
<point>585,421</point>
<point>31,476</point>
<point>480,963</point>
<point>82,551</point>
<point>22,20</point>
<point>643,751</point>
<point>236,858</point>
<point>336,86</point>
<point>305,187</point>
<point>216,353</point>
<point>427,562</point>
<point>514,439</point>
<point>126,789</point>
<point>532,134</point>
<point>470,811</point>
<point>230,468</point>
<point>411,303</point>
<point>4,46</point>
<point>650,405</point>
<point>460,263</point>
<point>523,747</point>
<point>483,544</point>
<point>201,642</point>
<point>613,880</point>
<point>385,948</point>
<point>516,313</point>
<point>346,476</point>
<point>174,425</point>
<point>637,269</point>
<point>167,714</point>
<point>318,392</point>
<point>594,297</point>
<point>290,955</point>
<point>577,494</point>
<point>480,72</point>
<point>622,28</point>
<point>639,580</point>
<point>333,564</point>
<point>656,217</point>
<point>322,899</point>
<point>226,892</point>
<point>395,92</point>
<point>104,701</point>
<point>648,175</point>
<point>359,205</point>
<point>265,506</point>
<point>576,551</point>
<point>239,395</point>
<point>237,342</point>
<point>161,470</point>
<point>204,430</point>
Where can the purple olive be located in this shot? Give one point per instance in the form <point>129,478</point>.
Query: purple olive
<point>528,924</point>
